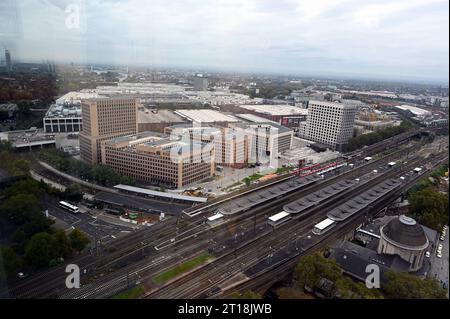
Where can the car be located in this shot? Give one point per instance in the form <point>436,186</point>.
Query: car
<point>440,247</point>
<point>402,178</point>
<point>442,238</point>
<point>427,254</point>
<point>439,255</point>
<point>21,275</point>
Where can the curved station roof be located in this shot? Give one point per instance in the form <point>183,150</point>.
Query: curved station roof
<point>360,202</point>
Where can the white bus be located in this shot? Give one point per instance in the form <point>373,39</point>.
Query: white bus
<point>278,219</point>
<point>71,208</point>
<point>323,226</point>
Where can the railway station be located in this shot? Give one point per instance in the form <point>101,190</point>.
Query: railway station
<point>266,194</point>
<point>362,201</point>
<point>304,203</point>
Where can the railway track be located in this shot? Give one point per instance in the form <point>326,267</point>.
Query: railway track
<point>222,266</point>
<point>47,284</point>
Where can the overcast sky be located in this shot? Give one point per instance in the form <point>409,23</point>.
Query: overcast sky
<point>392,39</point>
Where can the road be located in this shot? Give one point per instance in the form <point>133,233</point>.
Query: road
<point>245,237</point>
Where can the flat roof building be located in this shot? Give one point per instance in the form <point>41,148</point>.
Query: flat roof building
<point>205,116</point>
<point>160,160</point>
<point>287,115</point>
<point>61,118</point>
<point>231,146</point>
<point>156,120</point>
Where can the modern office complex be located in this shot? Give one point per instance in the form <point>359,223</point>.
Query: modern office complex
<point>267,137</point>
<point>156,159</point>
<point>63,118</point>
<point>239,143</point>
<point>105,119</point>
<point>329,123</point>
<point>230,145</point>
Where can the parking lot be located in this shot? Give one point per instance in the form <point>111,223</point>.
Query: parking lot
<point>97,229</point>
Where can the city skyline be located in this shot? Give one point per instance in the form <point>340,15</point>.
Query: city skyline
<point>405,40</point>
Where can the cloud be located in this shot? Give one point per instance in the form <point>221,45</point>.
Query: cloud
<point>401,38</point>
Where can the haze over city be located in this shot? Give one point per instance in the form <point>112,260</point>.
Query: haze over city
<point>214,150</point>
<point>402,40</point>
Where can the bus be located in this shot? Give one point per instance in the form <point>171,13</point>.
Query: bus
<point>278,219</point>
<point>323,226</point>
<point>71,208</point>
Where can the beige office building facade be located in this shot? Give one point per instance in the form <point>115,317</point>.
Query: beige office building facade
<point>104,119</point>
<point>159,160</point>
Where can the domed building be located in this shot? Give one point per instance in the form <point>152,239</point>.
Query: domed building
<point>404,237</point>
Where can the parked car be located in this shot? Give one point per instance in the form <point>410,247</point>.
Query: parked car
<point>427,254</point>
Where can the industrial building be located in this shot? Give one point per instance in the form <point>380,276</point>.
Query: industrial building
<point>156,120</point>
<point>415,111</point>
<point>105,119</point>
<point>286,115</point>
<point>155,159</point>
<point>329,123</point>
<point>206,116</point>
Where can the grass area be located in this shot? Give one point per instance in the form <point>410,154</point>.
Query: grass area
<point>131,293</point>
<point>178,270</point>
<point>254,177</point>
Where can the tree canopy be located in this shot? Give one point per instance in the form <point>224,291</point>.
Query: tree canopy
<point>429,207</point>
<point>78,240</point>
<point>401,285</point>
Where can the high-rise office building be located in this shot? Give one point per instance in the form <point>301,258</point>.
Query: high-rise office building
<point>8,60</point>
<point>200,83</point>
<point>329,123</point>
<point>104,119</point>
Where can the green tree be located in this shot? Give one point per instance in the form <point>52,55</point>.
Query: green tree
<point>401,285</point>
<point>429,207</point>
<point>78,240</point>
<point>21,208</point>
<point>41,249</point>
<point>73,193</point>
<point>63,244</point>
<point>9,261</point>
<point>310,269</point>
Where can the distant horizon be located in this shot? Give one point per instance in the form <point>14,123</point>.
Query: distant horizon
<point>388,40</point>
<point>318,76</point>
